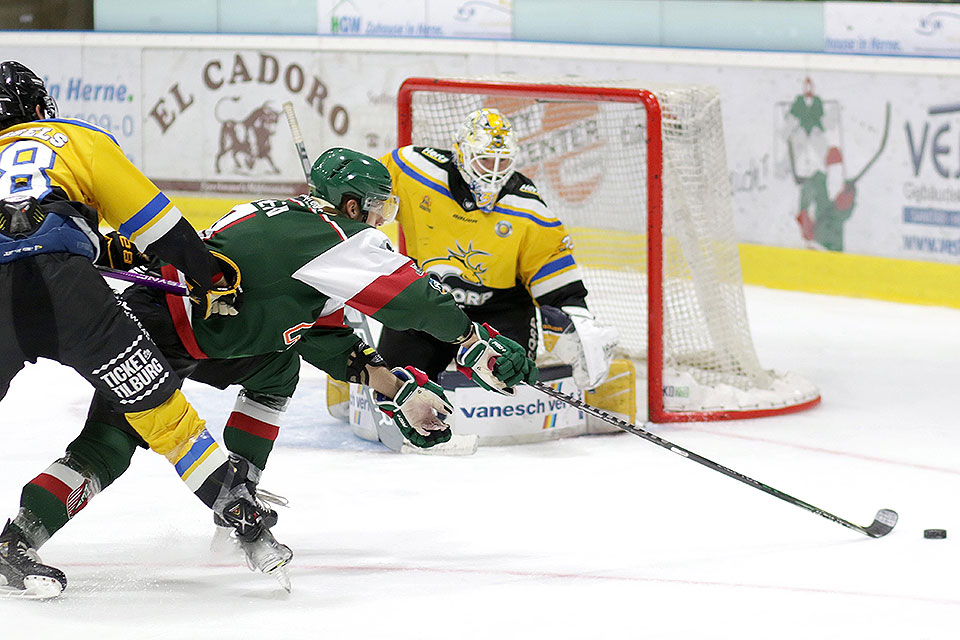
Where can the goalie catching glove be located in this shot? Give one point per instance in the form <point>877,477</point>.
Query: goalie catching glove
<point>573,336</point>
<point>418,408</point>
<point>495,362</point>
<point>224,297</point>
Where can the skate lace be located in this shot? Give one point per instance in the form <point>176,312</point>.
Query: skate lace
<point>30,553</point>
<point>268,498</point>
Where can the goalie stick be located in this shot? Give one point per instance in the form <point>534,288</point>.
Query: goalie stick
<point>387,432</point>
<point>883,523</point>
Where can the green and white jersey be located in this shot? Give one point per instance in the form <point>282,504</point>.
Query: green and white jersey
<point>299,267</point>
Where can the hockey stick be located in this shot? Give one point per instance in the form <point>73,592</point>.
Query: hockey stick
<point>297,139</point>
<point>148,281</point>
<point>883,524</point>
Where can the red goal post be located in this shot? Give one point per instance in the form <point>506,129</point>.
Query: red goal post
<point>733,395</point>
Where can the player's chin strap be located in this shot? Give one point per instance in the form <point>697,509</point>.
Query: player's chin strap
<point>882,524</point>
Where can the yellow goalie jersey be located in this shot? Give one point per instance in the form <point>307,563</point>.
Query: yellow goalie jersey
<point>65,159</point>
<point>491,260</point>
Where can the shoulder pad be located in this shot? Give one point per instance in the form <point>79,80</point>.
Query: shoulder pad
<point>437,156</point>
<point>522,186</point>
<point>530,188</point>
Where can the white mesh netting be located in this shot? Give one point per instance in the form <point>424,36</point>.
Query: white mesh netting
<point>589,160</point>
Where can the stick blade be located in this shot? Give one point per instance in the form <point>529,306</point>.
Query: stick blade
<point>883,524</point>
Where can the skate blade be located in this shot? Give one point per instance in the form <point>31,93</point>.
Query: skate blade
<point>37,588</point>
<point>283,577</point>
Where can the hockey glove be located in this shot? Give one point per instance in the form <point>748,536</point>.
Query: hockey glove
<point>219,300</point>
<point>120,253</point>
<point>573,337</point>
<point>496,362</point>
<point>418,408</point>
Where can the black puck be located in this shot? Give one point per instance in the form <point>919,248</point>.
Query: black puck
<point>934,533</point>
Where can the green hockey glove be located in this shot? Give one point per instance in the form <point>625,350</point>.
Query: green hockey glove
<point>496,362</point>
<point>418,408</point>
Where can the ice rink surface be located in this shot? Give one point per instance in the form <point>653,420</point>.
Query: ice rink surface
<point>594,537</point>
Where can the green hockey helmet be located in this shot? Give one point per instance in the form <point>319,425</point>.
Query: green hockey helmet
<point>339,173</point>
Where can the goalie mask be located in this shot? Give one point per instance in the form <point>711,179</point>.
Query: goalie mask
<point>21,92</point>
<point>485,150</point>
<point>340,173</point>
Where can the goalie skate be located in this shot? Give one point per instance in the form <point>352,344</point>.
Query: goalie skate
<point>22,574</point>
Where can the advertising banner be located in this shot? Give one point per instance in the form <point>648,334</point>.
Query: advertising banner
<point>833,160</point>
<point>213,119</point>
<point>421,18</point>
<point>98,84</point>
<point>897,28</point>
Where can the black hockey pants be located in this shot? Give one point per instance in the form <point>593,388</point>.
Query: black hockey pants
<point>57,306</point>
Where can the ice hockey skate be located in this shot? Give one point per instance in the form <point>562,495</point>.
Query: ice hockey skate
<point>22,574</point>
<point>224,541</point>
<point>240,510</point>
<point>263,553</point>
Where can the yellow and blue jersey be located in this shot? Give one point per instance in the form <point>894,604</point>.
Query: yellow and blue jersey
<point>66,159</point>
<point>516,251</point>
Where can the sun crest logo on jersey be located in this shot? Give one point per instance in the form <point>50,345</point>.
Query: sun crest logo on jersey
<point>462,263</point>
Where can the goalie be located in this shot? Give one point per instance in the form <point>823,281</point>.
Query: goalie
<point>480,227</point>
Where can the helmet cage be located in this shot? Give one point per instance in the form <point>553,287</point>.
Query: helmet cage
<point>485,151</point>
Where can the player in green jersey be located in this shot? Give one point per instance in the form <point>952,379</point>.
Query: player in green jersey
<point>303,260</point>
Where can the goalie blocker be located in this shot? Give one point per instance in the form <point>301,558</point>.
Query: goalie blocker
<point>526,417</point>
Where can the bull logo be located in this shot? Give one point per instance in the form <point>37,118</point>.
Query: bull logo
<point>247,141</point>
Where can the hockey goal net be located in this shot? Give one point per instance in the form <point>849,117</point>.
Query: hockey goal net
<point>639,178</point>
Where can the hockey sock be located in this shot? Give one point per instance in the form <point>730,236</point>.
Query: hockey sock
<point>253,425</point>
<point>98,456</point>
<point>48,501</point>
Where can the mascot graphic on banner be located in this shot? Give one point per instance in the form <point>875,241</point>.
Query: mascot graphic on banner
<point>813,134</point>
<point>248,140</point>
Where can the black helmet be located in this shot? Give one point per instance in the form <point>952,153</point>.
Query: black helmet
<point>21,92</point>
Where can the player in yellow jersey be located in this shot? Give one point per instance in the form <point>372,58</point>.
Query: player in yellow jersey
<point>479,226</point>
<point>58,179</point>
